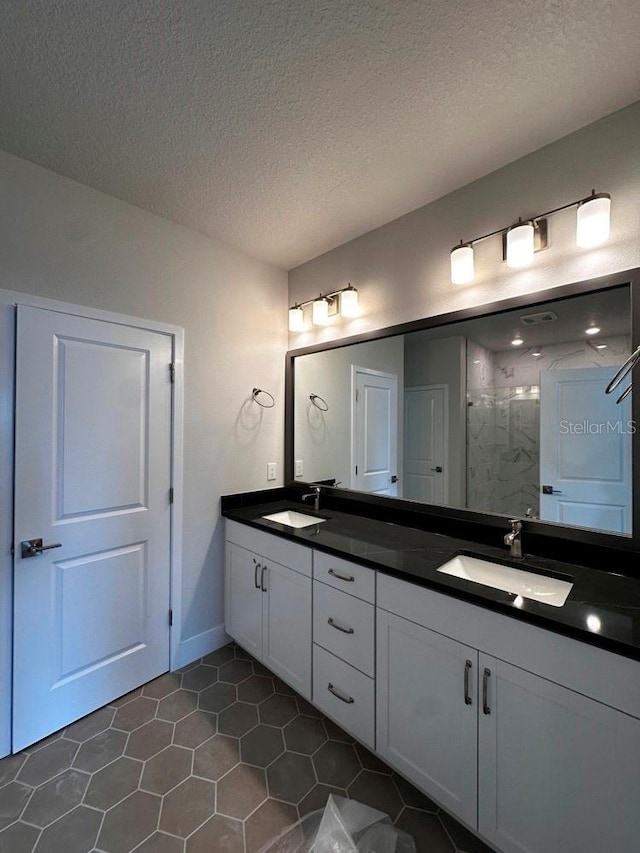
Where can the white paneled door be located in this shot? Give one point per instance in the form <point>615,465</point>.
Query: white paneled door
<point>92,480</point>
<point>426,411</point>
<point>374,425</point>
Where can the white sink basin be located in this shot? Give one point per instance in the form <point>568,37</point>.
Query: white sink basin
<point>527,584</point>
<point>291,518</point>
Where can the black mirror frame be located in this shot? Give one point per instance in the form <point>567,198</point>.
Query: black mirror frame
<point>545,530</point>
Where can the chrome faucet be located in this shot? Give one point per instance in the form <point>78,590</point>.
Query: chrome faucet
<point>514,539</point>
<point>315,494</point>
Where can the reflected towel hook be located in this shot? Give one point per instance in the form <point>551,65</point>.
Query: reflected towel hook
<point>627,367</point>
<point>265,405</point>
<point>324,407</point>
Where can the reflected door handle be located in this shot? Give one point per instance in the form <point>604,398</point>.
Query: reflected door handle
<point>438,469</point>
<point>394,478</point>
<point>34,547</point>
<point>549,490</point>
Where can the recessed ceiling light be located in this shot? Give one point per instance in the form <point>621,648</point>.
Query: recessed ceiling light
<point>517,341</point>
<point>601,346</point>
<point>536,353</point>
<point>592,330</point>
<point>476,361</point>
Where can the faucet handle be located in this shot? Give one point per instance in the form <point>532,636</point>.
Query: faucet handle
<point>516,525</point>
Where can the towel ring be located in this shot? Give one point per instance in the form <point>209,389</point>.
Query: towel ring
<point>266,405</point>
<point>626,368</point>
<point>324,407</point>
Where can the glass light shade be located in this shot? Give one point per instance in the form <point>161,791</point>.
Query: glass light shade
<point>462,270</point>
<point>320,312</point>
<point>296,319</point>
<point>592,330</point>
<point>593,220</point>
<point>349,302</point>
<point>520,245</point>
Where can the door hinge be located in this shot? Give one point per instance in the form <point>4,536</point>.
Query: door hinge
<point>170,618</point>
<point>172,371</point>
<point>171,495</point>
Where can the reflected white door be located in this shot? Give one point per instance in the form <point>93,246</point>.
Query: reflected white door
<point>375,432</point>
<point>92,472</point>
<point>425,443</point>
<point>585,450</point>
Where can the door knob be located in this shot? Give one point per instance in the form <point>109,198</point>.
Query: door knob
<point>394,478</point>
<point>34,547</point>
<point>549,490</point>
<point>438,469</point>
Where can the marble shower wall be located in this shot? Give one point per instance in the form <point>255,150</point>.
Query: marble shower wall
<point>503,418</point>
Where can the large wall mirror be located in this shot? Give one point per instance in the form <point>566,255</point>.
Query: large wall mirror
<point>502,412</point>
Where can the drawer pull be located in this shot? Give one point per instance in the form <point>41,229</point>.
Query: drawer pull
<point>339,627</point>
<point>486,709</point>
<point>262,583</point>
<point>348,700</point>
<point>467,672</point>
<point>347,578</point>
<point>257,567</point>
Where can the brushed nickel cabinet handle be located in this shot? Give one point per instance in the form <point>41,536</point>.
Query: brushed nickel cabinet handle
<point>348,700</point>
<point>335,625</point>
<point>467,672</point>
<point>262,583</point>
<point>485,692</point>
<point>256,567</point>
<point>347,578</point>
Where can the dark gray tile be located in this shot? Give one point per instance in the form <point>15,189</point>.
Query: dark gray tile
<point>290,777</point>
<point>377,791</point>
<point>47,762</point>
<point>89,726</point>
<point>218,835</point>
<point>128,697</point>
<point>166,769</point>
<point>370,761</point>
<point>56,797</point>
<point>268,822</point>
<point>305,734</point>
<point>195,729</point>
<point>160,842</point>
<point>426,830</point>
<point>189,666</point>
<point>74,833</point>
<point>235,671</point>
<point>215,757</point>
<point>129,823</point>
<point>261,745</point>
<point>200,677</point>
<point>100,750</point>
<point>163,686</point>
<point>317,798</point>
<point>307,708</point>
<point>336,764</point>
<point>282,688</point>
<point>334,732</point>
<point>255,689</point>
<point>113,783</point>
<point>217,697</point>
<point>237,719</point>
<point>177,705</point>
<point>149,739</point>
<point>220,656</point>
<point>18,838</point>
<point>464,840</point>
<point>412,797</point>
<point>10,766</point>
<point>135,713</point>
<point>188,806</point>
<point>241,791</point>
<point>241,653</point>
<point>13,798</point>
<point>277,710</point>
<point>28,750</point>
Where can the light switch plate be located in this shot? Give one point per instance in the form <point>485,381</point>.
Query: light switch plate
<point>299,468</point>
<point>271,470</point>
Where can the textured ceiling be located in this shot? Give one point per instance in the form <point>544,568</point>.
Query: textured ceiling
<point>287,127</point>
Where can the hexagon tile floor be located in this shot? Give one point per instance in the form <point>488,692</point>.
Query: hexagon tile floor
<point>216,758</point>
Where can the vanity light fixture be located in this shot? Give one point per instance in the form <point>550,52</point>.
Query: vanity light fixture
<point>601,346</point>
<point>343,301</point>
<point>517,340</point>
<point>592,329</point>
<point>521,240</point>
<point>536,353</point>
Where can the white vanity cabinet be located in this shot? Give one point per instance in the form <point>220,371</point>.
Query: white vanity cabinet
<point>268,602</point>
<point>477,715</point>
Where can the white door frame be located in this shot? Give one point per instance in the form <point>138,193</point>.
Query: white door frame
<point>445,436</point>
<point>355,369</point>
<point>8,300</point>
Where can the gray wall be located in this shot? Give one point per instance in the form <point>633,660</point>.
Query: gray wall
<point>62,240</point>
<point>402,269</point>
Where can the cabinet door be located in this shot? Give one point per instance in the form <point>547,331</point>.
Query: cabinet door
<point>243,598</point>
<point>557,771</point>
<point>286,645</point>
<point>426,725</point>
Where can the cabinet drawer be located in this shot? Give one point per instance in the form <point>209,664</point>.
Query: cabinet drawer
<point>344,626</point>
<point>346,576</point>
<point>270,547</point>
<point>344,694</point>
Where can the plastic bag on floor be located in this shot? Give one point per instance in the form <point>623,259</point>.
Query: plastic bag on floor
<point>344,826</point>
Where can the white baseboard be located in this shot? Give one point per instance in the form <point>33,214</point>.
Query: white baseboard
<point>200,645</point>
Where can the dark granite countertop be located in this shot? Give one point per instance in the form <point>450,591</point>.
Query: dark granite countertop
<point>602,609</point>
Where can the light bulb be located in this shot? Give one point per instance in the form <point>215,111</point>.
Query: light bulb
<point>520,244</point>
<point>349,302</point>
<point>536,353</point>
<point>320,312</point>
<point>601,346</point>
<point>517,341</point>
<point>462,269</point>
<point>593,220</point>
<point>296,319</point>
<point>592,330</point>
